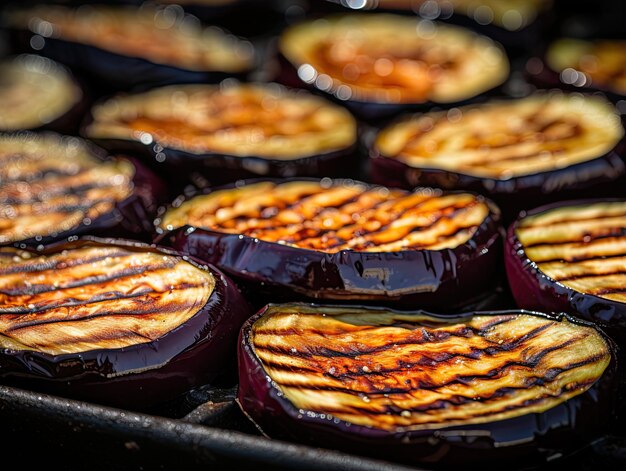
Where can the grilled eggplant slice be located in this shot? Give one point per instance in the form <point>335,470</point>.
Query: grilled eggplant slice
<point>343,240</point>
<point>520,152</point>
<point>233,131</point>
<point>582,65</point>
<point>423,388</point>
<point>53,187</point>
<point>570,256</point>
<point>114,322</point>
<point>379,63</point>
<point>37,93</point>
<point>125,47</point>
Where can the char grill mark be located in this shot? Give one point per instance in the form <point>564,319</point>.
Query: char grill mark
<point>388,377</point>
<point>582,247</point>
<point>95,297</point>
<point>337,218</point>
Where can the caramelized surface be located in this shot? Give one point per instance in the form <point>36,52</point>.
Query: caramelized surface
<point>162,36</point>
<point>504,139</point>
<point>582,247</point>
<point>600,64</point>
<point>33,92</point>
<point>247,119</point>
<point>330,218</point>
<point>391,371</point>
<point>95,297</point>
<point>49,185</point>
<point>393,59</point>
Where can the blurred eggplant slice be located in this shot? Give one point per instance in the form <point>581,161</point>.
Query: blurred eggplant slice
<point>114,322</point>
<point>229,132</point>
<point>125,47</point>
<point>402,61</point>
<point>53,187</point>
<point>473,389</point>
<point>584,65</point>
<point>520,152</point>
<point>37,93</point>
<point>343,240</point>
<point>570,256</point>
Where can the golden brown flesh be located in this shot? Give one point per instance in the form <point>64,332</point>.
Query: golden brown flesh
<point>582,247</point>
<point>350,216</point>
<point>390,371</point>
<point>95,297</point>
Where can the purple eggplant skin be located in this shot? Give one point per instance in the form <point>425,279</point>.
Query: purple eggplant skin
<point>532,289</point>
<point>602,176</point>
<point>149,375</point>
<point>110,72</point>
<point>131,218</point>
<point>528,440</point>
<point>442,280</point>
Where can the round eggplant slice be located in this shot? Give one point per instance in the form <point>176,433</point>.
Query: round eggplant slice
<point>583,65</point>
<point>570,256</point>
<point>380,63</point>
<point>518,387</point>
<point>520,152</point>
<point>53,187</point>
<point>37,93</point>
<point>114,322</point>
<point>343,240</point>
<point>125,47</point>
<point>229,132</point>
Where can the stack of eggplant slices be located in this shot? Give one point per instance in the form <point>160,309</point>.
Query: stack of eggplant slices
<point>394,240</point>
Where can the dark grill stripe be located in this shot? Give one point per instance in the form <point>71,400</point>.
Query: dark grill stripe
<point>110,296</point>
<point>58,263</point>
<point>100,279</point>
<point>589,275</point>
<point>616,232</point>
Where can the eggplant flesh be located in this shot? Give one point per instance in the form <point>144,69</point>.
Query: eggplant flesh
<point>427,388</point>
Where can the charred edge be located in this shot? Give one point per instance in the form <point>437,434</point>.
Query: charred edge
<point>59,264</point>
<point>90,280</point>
<point>111,296</point>
<point>608,291</point>
<point>616,232</point>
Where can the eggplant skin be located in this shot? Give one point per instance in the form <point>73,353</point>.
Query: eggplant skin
<point>532,288</point>
<point>523,440</point>
<point>141,375</point>
<point>444,279</point>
